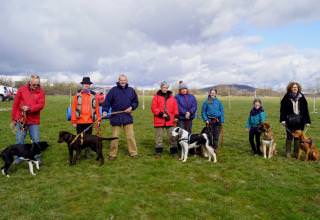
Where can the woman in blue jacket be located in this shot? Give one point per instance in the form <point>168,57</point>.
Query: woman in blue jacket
<point>187,105</point>
<point>213,114</point>
<point>256,117</point>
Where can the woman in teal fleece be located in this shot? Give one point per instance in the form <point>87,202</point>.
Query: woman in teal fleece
<point>213,114</point>
<point>256,117</point>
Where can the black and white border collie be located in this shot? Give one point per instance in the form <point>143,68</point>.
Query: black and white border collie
<point>188,141</point>
<point>25,152</point>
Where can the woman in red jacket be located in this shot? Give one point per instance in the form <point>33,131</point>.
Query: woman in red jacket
<point>25,115</point>
<point>28,103</point>
<point>165,110</point>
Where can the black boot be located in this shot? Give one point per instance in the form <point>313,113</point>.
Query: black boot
<point>158,152</point>
<point>173,150</point>
<point>288,148</point>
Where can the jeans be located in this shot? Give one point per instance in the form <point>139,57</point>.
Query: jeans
<point>186,125</point>
<point>21,134</point>
<point>34,133</point>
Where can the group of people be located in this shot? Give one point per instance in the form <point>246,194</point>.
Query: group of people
<point>168,111</point>
<point>294,115</point>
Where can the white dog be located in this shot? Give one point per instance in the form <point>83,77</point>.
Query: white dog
<point>188,141</point>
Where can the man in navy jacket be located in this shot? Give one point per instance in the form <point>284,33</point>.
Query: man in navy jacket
<point>122,98</point>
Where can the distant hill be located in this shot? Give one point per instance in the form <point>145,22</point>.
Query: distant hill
<point>237,87</point>
<point>240,90</point>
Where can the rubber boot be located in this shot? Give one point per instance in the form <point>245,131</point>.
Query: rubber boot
<point>296,148</point>
<point>158,151</point>
<point>288,148</point>
<point>174,151</point>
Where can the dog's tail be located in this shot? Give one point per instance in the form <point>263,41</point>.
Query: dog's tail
<point>108,139</point>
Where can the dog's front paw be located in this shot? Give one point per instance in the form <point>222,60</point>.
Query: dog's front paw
<point>33,174</point>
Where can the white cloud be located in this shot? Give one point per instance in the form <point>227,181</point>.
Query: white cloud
<point>194,40</point>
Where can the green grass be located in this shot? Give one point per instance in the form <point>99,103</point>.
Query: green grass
<point>239,186</point>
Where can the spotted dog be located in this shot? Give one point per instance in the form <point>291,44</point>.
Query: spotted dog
<point>188,141</point>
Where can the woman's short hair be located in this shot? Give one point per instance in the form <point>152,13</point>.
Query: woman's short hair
<point>257,100</point>
<point>213,89</point>
<point>34,77</point>
<point>291,84</point>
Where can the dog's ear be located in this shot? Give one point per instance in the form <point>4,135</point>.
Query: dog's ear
<point>267,125</point>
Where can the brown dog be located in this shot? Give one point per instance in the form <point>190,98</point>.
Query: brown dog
<point>306,144</point>
<point>267,140</point>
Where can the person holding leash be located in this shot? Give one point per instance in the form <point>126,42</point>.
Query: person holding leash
<point>25,115</point>
<point>256,117</point>
<point>213,115</point>
<point>294,115</point>
<point>122,100</point>
<point>165,116</point>
<point>85,108</point>
<point>187,105</point>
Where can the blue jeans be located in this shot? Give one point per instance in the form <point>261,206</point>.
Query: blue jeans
<point>34,133</point>
<point>21,134</point>
<point>186,125</point>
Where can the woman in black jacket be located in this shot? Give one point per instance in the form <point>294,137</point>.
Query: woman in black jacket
<point>294,114</point>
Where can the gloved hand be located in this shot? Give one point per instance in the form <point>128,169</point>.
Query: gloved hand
<point>283,123</point>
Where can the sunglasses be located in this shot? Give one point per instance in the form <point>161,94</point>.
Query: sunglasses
<point>35,85</point>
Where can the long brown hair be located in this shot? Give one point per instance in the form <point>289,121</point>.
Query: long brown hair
<point>291,84</point>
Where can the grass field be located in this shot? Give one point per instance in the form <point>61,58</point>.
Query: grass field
<point>239,186</point>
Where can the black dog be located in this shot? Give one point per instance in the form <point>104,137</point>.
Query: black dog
<point>87,141</point>
<point>26,151</point>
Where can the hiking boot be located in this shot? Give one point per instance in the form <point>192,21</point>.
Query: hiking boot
<point>134,156</point>
<point>112,158</point>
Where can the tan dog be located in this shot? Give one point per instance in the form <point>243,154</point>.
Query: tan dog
<point>306,144</point>
<point>268,143</point>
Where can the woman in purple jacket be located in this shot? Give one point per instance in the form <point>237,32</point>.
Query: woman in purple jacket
<point>187,105</point>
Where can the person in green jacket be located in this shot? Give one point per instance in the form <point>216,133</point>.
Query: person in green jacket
<point>256,117</point>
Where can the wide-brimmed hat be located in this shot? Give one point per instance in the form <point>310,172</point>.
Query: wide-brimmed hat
<point>86,80</point>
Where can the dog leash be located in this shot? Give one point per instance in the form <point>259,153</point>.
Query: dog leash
<point>81,134</point>
<point>98,128</point>
<point>305,130</point>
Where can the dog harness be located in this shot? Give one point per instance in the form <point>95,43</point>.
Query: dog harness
<point>185,139</point>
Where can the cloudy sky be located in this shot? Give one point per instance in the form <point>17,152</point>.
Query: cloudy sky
<point>263,43</point>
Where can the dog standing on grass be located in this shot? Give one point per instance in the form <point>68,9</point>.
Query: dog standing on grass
<point>268,142</point>
<point>188,141</point>
<point>306,144</point>
<point>26,152</point>
<point>77,143</point>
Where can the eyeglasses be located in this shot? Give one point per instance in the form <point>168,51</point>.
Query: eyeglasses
<point>35,85</point>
